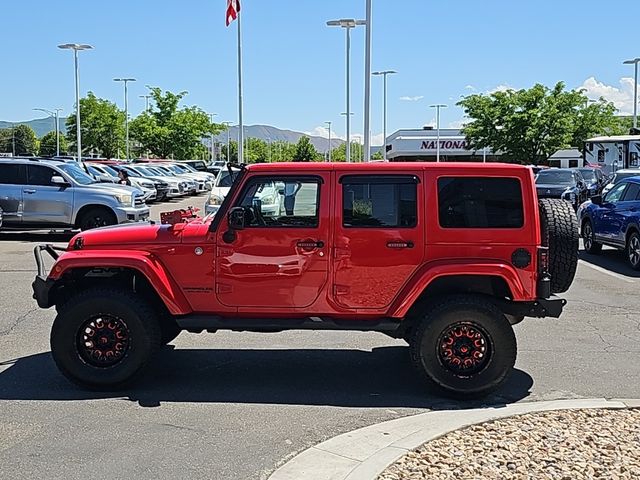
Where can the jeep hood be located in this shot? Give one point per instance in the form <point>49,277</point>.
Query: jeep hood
<point>148,235</point>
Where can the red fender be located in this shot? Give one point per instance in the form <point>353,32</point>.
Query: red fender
<point>431,271</point>
<point>144,262</point>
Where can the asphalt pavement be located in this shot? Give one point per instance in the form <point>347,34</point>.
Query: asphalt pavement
<point>238,405</point>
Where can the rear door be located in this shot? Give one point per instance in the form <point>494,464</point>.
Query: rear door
<point>12,178</point>
<point>379,242</point>
<point>44,202</point>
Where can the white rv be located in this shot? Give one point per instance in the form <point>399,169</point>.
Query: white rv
<point>613,153</point>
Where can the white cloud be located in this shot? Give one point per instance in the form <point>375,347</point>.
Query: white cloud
<point>457,124</point>
<point>377,140</point>
<point>621,96</point>
<point>412,99</point>
<point>323,132</point>
<point>470,87</point>
<point>500,88</point>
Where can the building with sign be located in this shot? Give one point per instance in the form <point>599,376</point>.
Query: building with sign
<point>413,145</point>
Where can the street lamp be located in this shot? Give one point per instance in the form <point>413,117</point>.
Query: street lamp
<point>211,115</point>
<point>384,74</point>
<point>347,24</point>
<point>76,47</point>
<point>634,62</point>
<point>56,114</point>
<point>329,124</point>
<point>125,81</point>
<point>146,101</point>
<point>228,141</point>
<point>438,106</point>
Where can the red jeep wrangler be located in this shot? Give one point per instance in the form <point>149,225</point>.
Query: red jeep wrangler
<point>446,256</point>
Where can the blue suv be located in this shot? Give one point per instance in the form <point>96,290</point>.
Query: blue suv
<point>614,220</point>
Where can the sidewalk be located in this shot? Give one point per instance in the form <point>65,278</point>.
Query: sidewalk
<point>365,453</point>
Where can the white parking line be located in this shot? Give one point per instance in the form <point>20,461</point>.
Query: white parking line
<point>607,272</point>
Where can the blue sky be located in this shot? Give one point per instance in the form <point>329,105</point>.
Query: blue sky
<point>294,64</point>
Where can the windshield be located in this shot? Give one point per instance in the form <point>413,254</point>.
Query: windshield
<point>588,174</point>
<point>167,171</point>
<point>109,170</point>
<point>77,173</point>
<point>175,169</point>
<point>188,168</point>
<point>132,171</point>
<point>555,177</point>
<point>618,176</point>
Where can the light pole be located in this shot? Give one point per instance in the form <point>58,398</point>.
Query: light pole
<point>228,141</point>
<point>76,47</point>
<point>211,115</point>
<point>634,62</point>
<point>125,81</point>
<point>146,101</point>
<point>438,106</point>
<point>384,74</point>
<point>347,24</point>
<point>329,156</point>
<point>56,114</point>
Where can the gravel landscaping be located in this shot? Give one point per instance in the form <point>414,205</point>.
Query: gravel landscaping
<point>568,444</point>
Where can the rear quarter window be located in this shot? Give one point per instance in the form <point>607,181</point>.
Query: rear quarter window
<point>480,202</point>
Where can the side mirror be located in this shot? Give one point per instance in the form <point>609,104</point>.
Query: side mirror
<point>58,180</point>
<point>596,200</point>
<point>236,218</point>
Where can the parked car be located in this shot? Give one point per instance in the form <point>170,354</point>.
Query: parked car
<point>614,220</point>
<point>146,186</point>
<point>205,176</point>
<point>170,186</point>
<point>221,187</point>
<point>347,253</point>
<point>618,176</point>
<point>564,183</point>
<point>595,179</point>
<point>53,194</point>
<point>192,184</point>
<point>197,165</point>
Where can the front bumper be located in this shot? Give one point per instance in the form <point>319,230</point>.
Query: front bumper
<point>42,284</point>
<point>132,214</point>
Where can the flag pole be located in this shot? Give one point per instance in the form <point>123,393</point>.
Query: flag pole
<point>240,123</point>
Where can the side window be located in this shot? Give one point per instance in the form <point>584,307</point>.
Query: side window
<point>573,163</point>
<point>480,202</point>
<point>379,201</point>
<point>281,202</point>
<point>616,193</point>
<point>600,156</point>
<point>39,175</point>
<point>631,194</point>
<point>12,174</point>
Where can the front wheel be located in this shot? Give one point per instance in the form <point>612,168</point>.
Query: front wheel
<point>103,338</point>
<point>464,346</point>
<point>589,239</point>
<point>97,217</point>
<point>633,250</point>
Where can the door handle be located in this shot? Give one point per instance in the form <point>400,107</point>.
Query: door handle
<point>399,244</point>
<point>28,190</point>
<point>310,244</point>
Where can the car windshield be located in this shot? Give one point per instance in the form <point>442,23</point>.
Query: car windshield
<point>188,168</point>
<point>618,176</point>
<point>555,177</point>
<point>132,171</point>
<point>109,170</point>
<point>175,169</point>
<point>167,171</point>
<point>77,173</point>
<point>588,174</point>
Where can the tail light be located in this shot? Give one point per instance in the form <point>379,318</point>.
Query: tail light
<point>543,260</point>
<point>544,279</point>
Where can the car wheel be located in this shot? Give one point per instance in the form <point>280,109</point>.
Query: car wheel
<point>97,217</point>
<point>464,346</point>
<point>633,250</point>
<point>103,338</point>
<point>589,239</point>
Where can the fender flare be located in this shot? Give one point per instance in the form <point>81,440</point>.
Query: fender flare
<point>432,271</point>
<point>145,263</point>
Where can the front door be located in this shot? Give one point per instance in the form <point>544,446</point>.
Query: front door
<point>379,242</point>
<point>607,221</point>
<point>44,202</point>
<point>280,259</point>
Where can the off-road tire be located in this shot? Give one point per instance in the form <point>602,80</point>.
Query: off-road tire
<point>97,217</point>
<point>559,229</point>
<point>475,311</point>
<point>142,327</point>
<point>633,242</point>
<point>588,239</point>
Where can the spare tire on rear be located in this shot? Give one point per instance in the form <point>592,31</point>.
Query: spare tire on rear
<point>559,226</point>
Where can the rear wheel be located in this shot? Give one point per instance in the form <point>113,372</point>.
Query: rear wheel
<point>464,346</point>
<point>633,250</point>
<point>103,338</point>
<point>589,239</point>
<point>560,233</point>
<point>97,217</point>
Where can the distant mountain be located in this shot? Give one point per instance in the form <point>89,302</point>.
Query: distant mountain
<point>41,126</point>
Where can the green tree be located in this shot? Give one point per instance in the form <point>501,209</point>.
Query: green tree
<point>20,140</point>
<point>339,154</point>
<point>378,155</point>
<point>102,127</point>
<point>305,151</point>
<point>527,126</point>
<point>597,119</point>
<point>168,131</point>
<point>48,144</point>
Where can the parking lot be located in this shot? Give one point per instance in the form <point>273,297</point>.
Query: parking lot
<point>236,405</point>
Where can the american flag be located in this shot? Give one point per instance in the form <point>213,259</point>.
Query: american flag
<point>233,8</point>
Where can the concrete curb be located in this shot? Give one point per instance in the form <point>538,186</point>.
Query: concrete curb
<point>365,453</point>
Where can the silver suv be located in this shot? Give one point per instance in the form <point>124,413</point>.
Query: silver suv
<point>54,194</point>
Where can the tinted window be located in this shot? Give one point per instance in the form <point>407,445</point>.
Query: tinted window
<point>40,175</point>
<point>480,202</point>
<point>631,194</point>
<point>12,174</point>
<point>555,177</point>
<point>379,201</point>
<point>616,193</point>
<point>588,174</point>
